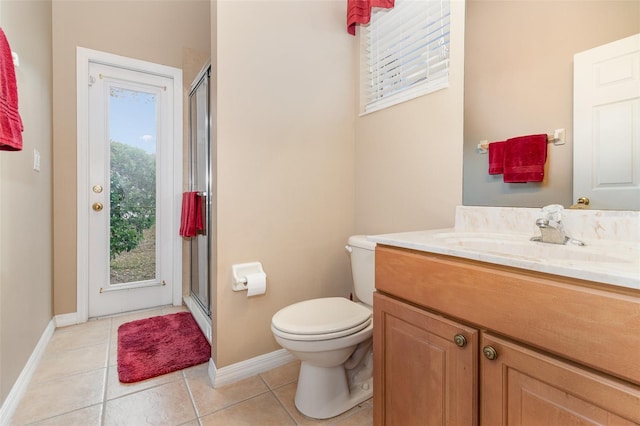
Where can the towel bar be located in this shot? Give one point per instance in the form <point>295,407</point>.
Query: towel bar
<point>557,138</point>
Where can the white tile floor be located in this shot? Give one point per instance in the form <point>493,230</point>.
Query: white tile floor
<point>77,383</point>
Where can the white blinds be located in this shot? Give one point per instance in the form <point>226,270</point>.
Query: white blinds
<point>405,52</point>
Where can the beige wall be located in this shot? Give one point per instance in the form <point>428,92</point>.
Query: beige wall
<point>25,195</point>
<point>519,80</point>
<point>285,161</point>
<point>165,32</point>
<point>409,157</point>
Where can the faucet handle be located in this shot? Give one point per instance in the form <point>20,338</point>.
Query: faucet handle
<point>553,212</point>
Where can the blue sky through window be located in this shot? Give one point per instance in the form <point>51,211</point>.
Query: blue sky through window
<point>132,118</point>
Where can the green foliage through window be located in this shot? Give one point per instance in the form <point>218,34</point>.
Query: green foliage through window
<point>133,196</point>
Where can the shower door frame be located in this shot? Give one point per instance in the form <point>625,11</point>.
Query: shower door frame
<point>196,243</point>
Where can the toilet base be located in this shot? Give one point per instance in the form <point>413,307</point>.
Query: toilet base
<point>324,392</point>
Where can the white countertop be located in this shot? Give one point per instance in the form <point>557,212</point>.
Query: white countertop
<point>610,256</point>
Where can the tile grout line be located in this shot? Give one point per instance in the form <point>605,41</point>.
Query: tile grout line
<point>191,397</point>
<point>106,374</point>
<point>271,390</point>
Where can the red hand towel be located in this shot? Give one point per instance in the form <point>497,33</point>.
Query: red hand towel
<point>524,158</point>
<point>188,217</point>
<point>359,12</point>
<point>10,122</point>
<point>496,157</point>
<point>191,221</point>
<point>198,222</point>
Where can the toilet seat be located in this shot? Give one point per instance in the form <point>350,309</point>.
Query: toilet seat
<point>320,319</point>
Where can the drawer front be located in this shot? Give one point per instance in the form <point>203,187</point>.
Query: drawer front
<point>589,325</point>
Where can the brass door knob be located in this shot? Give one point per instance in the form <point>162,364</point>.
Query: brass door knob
<point>97,207</point>
<point>584,200</point>
<point>490,352</point>
<point>460,340</point>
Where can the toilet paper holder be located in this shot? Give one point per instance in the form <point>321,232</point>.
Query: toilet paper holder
<point>240,272</point>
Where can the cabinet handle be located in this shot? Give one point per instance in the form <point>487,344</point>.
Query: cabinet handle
<point>490,352</point>
<point>460,340</point>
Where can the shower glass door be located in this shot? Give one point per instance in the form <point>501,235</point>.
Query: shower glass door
<point>200,181</point>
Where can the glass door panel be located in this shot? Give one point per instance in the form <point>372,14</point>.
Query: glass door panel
<point>132,139</point>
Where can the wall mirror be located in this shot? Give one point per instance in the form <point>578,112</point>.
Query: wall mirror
<point>519,80</point>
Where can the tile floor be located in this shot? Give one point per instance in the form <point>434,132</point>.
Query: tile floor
<point>77,383</point>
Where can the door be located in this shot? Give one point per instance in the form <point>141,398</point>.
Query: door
<point>606,152</point>
<point>425,367</point>
<point>520,386</point>
<point>129,190</point>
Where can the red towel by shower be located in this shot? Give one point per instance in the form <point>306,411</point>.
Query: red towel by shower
<point>496,157</point>
<point>10,122</point>
<point>191,219</point>
<point>524,158</point>
<point>359,12</point>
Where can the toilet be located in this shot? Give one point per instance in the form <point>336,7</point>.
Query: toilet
<point>332,337</point>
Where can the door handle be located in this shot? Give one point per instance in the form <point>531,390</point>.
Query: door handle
<point>97,207</point>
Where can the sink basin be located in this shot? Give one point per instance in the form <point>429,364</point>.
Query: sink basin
<point>520,246</point>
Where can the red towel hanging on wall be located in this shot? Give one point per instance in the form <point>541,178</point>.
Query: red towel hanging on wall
<point>10,122</point>
<point>524,158</point>
<point>496,157</point>
<point>359,12</point>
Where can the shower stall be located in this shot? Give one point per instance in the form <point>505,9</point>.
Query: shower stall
<point>199,301</point>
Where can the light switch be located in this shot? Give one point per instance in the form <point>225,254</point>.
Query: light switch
<point>36,160</point>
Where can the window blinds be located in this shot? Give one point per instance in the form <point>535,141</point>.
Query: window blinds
<point>405,52</point>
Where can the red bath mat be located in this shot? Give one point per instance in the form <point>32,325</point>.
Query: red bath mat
<point>159,345</point>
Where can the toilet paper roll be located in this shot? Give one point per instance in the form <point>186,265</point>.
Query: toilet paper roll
<point>256,284</point>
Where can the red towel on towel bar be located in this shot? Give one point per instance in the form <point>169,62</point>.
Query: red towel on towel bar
<point>524,158</point>
<point>191,219</point>
<point>496,157</point>
<point>10,122</point>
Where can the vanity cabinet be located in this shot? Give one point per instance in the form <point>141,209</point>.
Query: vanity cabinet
<point>460,342</point>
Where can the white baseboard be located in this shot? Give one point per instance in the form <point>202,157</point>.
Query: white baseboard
<point>65,320</point>
<point>20,386</point>
<point>241,370</point>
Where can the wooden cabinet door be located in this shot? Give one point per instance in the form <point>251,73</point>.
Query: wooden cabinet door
<point>524,387</point>
<point>421,376</point>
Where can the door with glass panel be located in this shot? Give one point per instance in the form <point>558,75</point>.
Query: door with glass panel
<point>130,129</point>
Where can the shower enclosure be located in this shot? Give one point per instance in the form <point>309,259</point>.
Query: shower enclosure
<point>199,301</point>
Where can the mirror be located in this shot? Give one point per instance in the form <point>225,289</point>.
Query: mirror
<point>519,81</point>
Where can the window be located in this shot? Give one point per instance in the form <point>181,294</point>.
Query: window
<point>404,52</point>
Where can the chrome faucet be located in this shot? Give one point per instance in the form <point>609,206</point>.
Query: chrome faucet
<point>551,228</point>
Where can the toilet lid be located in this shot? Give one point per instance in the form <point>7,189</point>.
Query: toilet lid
<point>321,316</point>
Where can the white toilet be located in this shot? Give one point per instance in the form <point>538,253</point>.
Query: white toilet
<point>332,338</point>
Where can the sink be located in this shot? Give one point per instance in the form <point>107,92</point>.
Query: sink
<point>502,236</point>
<point>520,246</point>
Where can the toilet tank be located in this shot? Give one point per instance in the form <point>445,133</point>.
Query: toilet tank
<point>363,258</point>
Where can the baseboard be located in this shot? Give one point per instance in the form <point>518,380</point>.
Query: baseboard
<point>20,386</point>
<point>65,320</point>
<point>241,370</point>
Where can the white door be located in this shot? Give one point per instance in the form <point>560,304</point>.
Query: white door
<point>129,190</point>
<point>606,152</point>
